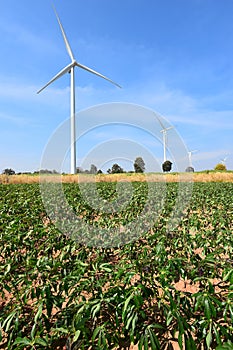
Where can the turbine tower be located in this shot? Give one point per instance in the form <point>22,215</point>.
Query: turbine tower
<point>164,132</point>
<point>190,157</point>
<point>70,69</point>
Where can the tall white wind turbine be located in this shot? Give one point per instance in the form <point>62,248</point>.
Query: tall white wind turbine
<point>70,69</point>
<point>164,132</point>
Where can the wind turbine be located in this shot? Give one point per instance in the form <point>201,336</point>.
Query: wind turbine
<point>223,161</point>
<point>164,132</point>
<point>190,156</point>
<point>70,69</point>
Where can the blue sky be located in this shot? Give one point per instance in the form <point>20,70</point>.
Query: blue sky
<point>174,57</point>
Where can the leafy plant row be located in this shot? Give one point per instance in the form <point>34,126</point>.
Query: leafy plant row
<point>161,290</point>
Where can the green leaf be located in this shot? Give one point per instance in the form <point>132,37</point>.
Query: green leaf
<point>207,309</point>
<point>169,318</point>
<point>217,336</point>
<point>156,325</point>
<point>95,309</point>
<point>33,331</point>
<point>153,340</point>
<point>126,305</point>
<point>180,340</point>
<point>23,341</point>
<point>76,335</point>
<point>208,339</point>
<point>8,268</point>
<point>81,263</point>
<point>7,322</point>
<point>104,340</point>
<point>134,315</point>
<point>225,346</point>
<point>134,322</point>
<point>138,300</point>
<point>41,341</point>
<point>145,343</point>
<point>39,313</point>
<point>141,342</point>
<point>180,324</point>
<point>228,275</point>
<point>61,330</point>
<point>189,342</point>
<point>96,332</point>
<point>106,267</point>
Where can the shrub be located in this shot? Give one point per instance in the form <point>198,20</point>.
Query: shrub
<point>139,165</point>
<point>189,169</point>
<point>221,167</point>
<point>8,172</point>
<point>167,166</point>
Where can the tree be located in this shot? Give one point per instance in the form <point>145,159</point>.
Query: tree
<point>93,169</point>
<point>99,171</point>
<point>79,170</point>
<point>117,169</point>
<point>220,167</point>
<point>8,171</point>
<point>167,166</point>
<point>189,169</point>
<point>47,171</point>
<point>139,165</point>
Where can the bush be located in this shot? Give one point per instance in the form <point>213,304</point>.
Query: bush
<point>220,167</point>
<point>167,166</point>
<point>117,169</point>
<point>189,169</point>
<point>8,172</point>
<point>139,165</point>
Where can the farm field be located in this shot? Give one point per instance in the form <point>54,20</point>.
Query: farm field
<point>212,176</point>
<point>167,289</point>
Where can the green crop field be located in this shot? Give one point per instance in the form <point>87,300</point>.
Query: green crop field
<point>167,289</point>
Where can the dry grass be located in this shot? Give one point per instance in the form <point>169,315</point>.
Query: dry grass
<point>127,177</point>
<point>215,177</point>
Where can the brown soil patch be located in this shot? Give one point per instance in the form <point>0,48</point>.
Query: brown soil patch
<point>186,286</point>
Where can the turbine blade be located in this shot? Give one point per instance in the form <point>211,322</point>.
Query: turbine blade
<point>96,73</point>
<point>169,128</point>
<point>68,48</point>
<point>163,127</point>
<point>58,75</point>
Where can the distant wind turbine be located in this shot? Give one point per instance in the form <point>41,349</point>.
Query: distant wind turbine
<point>70,69</point>
<point>223,161</point>
<point>190,156</point>
<point>164,132</point>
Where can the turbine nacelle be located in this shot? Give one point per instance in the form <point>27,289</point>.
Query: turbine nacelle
<point>166,129</point>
